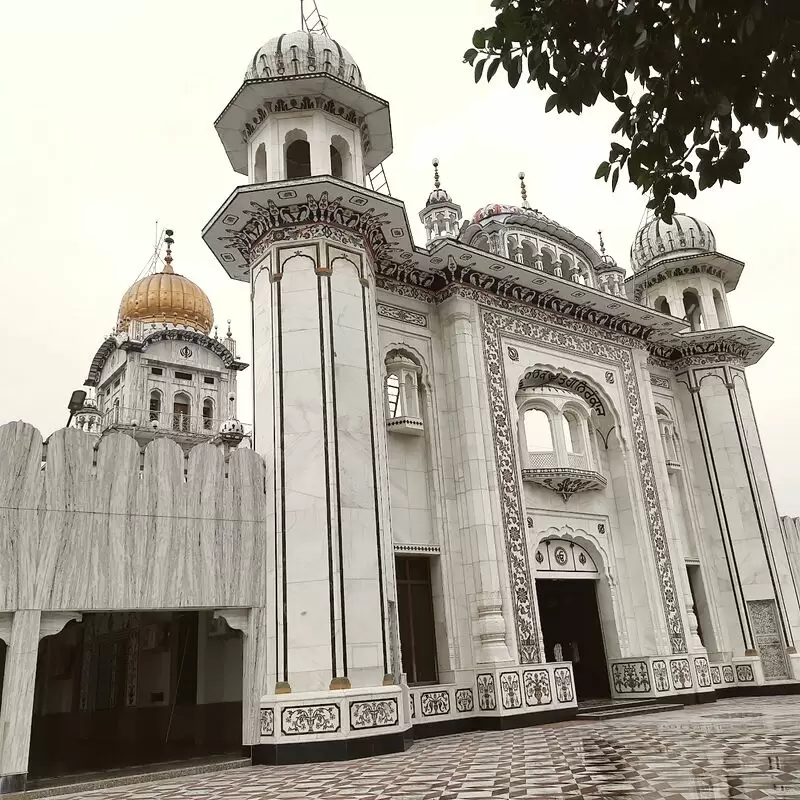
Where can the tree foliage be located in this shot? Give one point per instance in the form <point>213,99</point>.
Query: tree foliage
<point>687,76</point>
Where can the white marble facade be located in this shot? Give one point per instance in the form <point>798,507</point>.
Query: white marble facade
<point>398,390</point>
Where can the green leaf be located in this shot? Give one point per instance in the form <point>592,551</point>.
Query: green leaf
<point>614,179</point>
<point>479,69</point>
<point>602,170</point>
<point>492,69</point>
<point>515,71</point>
<point>551,103</point>
<point>470,55</point>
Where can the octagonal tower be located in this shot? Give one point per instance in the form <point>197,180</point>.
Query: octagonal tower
<point>306,233</point>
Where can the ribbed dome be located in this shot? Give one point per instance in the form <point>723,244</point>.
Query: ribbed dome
<point>166,297</point>
<point>657,240</point>
<point>302,53</point>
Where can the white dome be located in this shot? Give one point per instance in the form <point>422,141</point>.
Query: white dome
<point>303,53</point>
<point>657,240</point>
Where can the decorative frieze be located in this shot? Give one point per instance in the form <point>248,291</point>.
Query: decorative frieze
<point>402,315</point>
<point>661,676</point>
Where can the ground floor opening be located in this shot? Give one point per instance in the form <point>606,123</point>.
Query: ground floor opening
<point>571,630</point>
<point>125,689</point>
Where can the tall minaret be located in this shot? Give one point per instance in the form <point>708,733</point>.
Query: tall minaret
<point>305,233</point>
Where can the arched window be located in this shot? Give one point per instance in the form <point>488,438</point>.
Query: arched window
<point>298,159</point>
<point>392,396</point>
<point>155,404</point>
<point>538,436</point>
<point>116,410</point>
<point>568,441</point>
<point>181,412</point>
<point>662,305</point>
<point>481,242</point>
<point>341,159</point>
<point>722,312</point>
<point>208,414</point>
<point>547,261</point>
<point>694,313</point>
<point>528,253</point>
<point>336,163</point>
<point>260,164</point>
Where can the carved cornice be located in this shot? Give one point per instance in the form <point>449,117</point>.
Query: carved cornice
<point>167,334</point>
<point>99,360</point>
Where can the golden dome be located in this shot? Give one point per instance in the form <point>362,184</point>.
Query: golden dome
<point>167,297</point>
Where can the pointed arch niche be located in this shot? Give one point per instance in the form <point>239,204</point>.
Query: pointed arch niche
<point>568,553</point>
<point>558,420</point>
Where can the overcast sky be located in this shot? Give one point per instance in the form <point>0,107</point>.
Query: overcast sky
<point>108,111</point>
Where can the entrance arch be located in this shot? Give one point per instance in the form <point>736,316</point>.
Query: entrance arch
<point>576,611</point>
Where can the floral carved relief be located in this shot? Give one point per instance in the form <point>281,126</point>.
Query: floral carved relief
<point>536,684</point>
<point>487,699</point>
<point>510,690</point>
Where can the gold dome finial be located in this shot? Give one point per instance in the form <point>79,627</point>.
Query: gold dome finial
<point>435,163</point>
<point>168,258</point>
<point>166,298</point>
<point>602,243</point>
<point>523,190</point>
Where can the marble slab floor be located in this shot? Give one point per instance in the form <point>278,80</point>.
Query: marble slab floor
<point>743,748</point>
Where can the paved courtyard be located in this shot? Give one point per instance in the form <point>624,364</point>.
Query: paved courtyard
<point>747,749</point>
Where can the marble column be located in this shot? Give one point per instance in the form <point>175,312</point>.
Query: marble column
<point>472,487</point>
<point>328,579</point>
<point>16,712</point>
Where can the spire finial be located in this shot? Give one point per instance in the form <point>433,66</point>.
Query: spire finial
<point>523,190</point>
<point>230,335</point>
<point>168,257</point>
<point>435,163</point>
<point>602,243</point>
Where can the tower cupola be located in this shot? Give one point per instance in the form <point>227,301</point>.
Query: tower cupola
<point>441,216</point>
<point>302,111</point>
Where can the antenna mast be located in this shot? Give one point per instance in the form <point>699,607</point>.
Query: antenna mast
<point>314,22</point>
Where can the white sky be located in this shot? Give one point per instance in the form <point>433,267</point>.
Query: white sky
<point>108,111</point>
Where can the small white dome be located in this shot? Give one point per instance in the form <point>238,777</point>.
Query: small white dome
<point>657,240</point>
<point>303,53</point>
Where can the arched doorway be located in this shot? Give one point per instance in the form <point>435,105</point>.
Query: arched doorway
<point>567,580</point>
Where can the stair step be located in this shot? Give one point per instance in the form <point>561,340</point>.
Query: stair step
<point>628,711</point>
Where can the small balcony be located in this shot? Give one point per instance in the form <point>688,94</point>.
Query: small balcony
<point>673,466</point>
<point>164,423</point>
<point>411,426</point>
<point>566,478</point>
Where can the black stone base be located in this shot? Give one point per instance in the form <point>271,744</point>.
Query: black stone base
<point>769,690</point>
<point>468,724</point>
<point>339,750</point>
<point>13,783</point>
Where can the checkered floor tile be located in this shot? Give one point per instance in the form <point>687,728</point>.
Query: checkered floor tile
<point>745,749</point>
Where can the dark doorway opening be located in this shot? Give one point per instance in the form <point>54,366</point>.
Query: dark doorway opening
<point>133,688</point>
<point>570,618</point>
<point>415,618</point>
